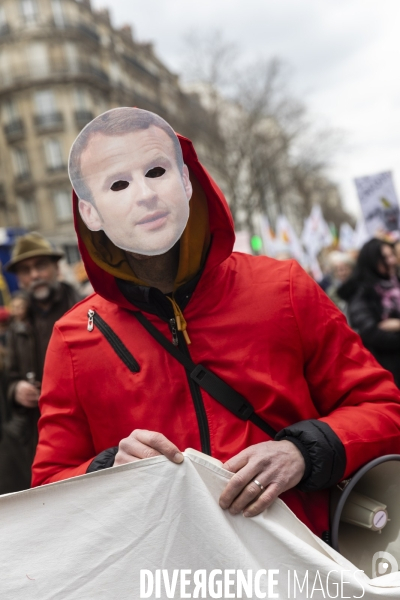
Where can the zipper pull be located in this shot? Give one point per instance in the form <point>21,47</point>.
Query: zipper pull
<point>90,320</point>
<point>172,325</point>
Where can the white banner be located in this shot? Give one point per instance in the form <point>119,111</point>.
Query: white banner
<point>379,203</point>
<point>154,529</point>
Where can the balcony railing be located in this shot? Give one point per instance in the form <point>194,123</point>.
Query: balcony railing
<point>83,117</point>
<point>87,30</point>
<point>22,76</point>
<point>23,176</point>
<point>15,130</point>
<point>51,121</point>
<point>54,169</point>
<point>138,65</point>
<point>95,71</point>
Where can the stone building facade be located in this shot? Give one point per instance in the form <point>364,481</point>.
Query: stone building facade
<point>62,64</point>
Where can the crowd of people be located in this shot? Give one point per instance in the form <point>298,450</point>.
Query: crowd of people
<point>366,288</point>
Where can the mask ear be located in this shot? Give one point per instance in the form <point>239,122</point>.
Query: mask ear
<point>90,216</point>
<point>186,182</point>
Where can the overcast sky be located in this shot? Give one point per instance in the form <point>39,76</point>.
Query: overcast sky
<point>344,57</point>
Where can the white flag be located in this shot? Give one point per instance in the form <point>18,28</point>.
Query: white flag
<point>361,235</point>
<point>268,236</point>
<point>285,234</point>
<point>316,233</point>
<point>314,268</point>
<point>346,237</point>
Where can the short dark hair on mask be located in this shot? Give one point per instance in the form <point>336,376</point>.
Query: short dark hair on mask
<point>115,122</point>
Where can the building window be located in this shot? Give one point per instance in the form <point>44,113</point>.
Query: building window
<point>53,153</point>
<point>5,75</point>
<point>115,72</point>
<point>29,10</point>
<point>10,112</point>
<point>72,56</point>
<point>63,205</point>
<point>20,163</point>
<point>4,28</point>
<point>81,100</point>
<point>13,124</point>
<point>47,117</point>
<point>45,102</point>
<point>27,212</point>
<point>38,59</point>
<point>58,14</point>
<point>83,114</point>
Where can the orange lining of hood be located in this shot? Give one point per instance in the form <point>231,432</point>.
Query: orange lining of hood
<point>194,244</point>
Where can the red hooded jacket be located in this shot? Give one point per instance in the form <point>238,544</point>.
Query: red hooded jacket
<point>263,326</point>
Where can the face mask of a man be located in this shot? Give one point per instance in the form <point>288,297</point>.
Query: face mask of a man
<point>131,181</point>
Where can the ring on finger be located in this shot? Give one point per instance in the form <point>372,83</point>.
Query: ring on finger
<point>260,485</point>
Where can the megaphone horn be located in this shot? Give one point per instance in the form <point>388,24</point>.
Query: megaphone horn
<point>367,505</point>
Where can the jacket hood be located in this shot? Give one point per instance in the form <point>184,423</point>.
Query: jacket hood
<point>208,236</point>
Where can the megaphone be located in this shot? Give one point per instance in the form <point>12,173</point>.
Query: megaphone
<point>365,523</point>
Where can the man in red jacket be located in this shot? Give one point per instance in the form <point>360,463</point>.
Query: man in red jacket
<point>262,326</point>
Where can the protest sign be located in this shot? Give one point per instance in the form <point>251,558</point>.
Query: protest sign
<point>379,203</point>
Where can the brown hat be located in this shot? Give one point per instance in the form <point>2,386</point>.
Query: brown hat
<point>29,246</point>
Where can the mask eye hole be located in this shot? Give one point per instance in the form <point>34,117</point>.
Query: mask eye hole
<point>156,172</point>
<point>117,186</point>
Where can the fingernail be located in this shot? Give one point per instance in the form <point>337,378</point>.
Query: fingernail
<point>247,514</point>
<point>178,458</point>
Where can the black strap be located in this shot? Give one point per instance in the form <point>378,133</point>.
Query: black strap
<point>211,383</point>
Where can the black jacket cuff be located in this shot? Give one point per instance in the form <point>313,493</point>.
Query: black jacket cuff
<point>304,452</point>
<point>322,450</point>
<point>104,460</point>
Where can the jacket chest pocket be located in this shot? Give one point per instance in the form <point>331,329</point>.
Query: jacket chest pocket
<point>116,344</point>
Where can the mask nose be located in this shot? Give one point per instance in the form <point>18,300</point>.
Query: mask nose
<point>144,195</point>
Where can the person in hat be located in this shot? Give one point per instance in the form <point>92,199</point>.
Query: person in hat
<point>35,263</point>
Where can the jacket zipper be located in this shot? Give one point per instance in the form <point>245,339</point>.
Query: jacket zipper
<point>117,345</point>
<point>174,331</point>
<point>178,339</point>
